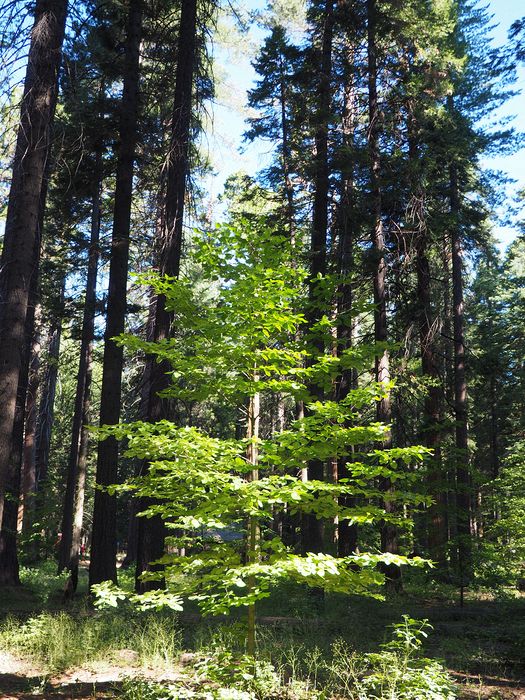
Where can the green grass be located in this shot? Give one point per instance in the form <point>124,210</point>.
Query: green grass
<point>306,644</point>
<point>56,641</point>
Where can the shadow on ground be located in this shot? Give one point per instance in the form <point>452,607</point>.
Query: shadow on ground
<point>16,687</point>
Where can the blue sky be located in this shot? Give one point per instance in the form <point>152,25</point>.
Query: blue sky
<point>229,124</point>
<point>505,13</point>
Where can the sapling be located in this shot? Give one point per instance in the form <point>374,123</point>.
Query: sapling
<point>237,348</point>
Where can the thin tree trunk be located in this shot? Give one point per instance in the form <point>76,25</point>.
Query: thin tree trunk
<point>46,414</point>
<point>145,392</point>
<point>73,499</point>
<point>152,531</point>
<point>286,154</point>
<point>26,510</point>
<point>447,370</point>
<point>103,556</point>
<point>252,433</point>
<point>494,430</point>
<point>80,488</point>
<point>21,229</point>
<point>382,369</point>
<point>46,407</point>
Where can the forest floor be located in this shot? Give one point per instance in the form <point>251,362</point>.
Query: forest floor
<point>482,644</point>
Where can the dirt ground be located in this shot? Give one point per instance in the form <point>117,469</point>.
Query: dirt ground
<point>19,681</point>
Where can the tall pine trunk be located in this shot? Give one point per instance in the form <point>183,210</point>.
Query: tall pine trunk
<point>9,569</point>
<point>389,543</point>
<point>463,505</point>
<point>103,557</point>
<point>9,572</point>
<point>436,526</point>
<point>347,533</point>
<point>17,265</point>
<point>73,498</point>
<point>151,531</point>
<point>312,536</point>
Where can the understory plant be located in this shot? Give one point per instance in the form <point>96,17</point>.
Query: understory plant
<point>397,672</point>
<point>247,344</point>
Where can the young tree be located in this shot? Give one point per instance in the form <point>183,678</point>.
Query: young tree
<point>238,347</point>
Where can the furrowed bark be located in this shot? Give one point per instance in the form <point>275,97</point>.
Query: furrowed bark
<point>427,326</point>
<point>312,536</point>
<point>463,490</point>
<point>347,533</point>
<point>389,542</point>
<point>21,229</point>
<point>151,531</point>
<point>103,556</point>
<point>9,569</point>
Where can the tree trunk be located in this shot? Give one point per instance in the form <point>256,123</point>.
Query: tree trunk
<point>151,532</point>
<point>436,523</point>
<point>21,229</point>
<point>9,570</point>
<point>463,506</point>
<point>447,371</point>
<point>286,154</point>
<point>389,542</point>
<point>103,557</point>
<point>80,488</point>
<point>145,392</point>
<point>430,429</point>
<point>313,536</point>
<point>73,499</point>
<point>46,407</point>
<point>8,535</point>
<point>253,544</point>
<point>26,510</point>
<point>347,533</point>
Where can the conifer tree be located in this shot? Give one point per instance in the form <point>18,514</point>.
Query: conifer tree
<point>21,247</point>
<point>104,536</point>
